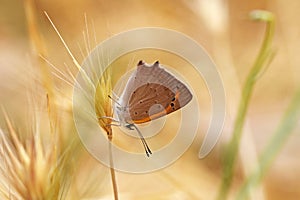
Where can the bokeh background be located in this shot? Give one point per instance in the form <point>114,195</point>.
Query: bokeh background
<point>230,38</point>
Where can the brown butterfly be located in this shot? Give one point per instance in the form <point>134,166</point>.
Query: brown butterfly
<point>150,93</point>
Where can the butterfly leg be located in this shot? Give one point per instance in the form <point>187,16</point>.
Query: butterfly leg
<point>105,117</point>
<point>112,119</point>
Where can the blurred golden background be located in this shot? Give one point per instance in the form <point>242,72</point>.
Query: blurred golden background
<point>232,40</point>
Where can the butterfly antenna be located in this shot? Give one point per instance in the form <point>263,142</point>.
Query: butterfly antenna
<point>146,147</point>
<point>114,100</point>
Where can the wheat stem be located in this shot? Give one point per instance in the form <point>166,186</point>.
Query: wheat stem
<point>112,169</point>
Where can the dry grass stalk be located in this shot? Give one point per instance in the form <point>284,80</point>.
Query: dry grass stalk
<point>30,168</point>
<point>37,165</point>
<point>38,53</point>
<point>103,105</point>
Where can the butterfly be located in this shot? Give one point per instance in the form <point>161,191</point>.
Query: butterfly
<point>151,92</point>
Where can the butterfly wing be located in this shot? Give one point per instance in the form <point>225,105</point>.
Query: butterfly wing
<point>152,92</point>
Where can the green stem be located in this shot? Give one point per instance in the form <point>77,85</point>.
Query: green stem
<point>280,136</point>
<point>260,63</point>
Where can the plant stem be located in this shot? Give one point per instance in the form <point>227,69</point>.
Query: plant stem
<point>259,64</point>
<point>280,136</point>
<point>112,169</point>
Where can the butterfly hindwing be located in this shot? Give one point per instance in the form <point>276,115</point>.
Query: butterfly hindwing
<point>153,104</point>
<point>152,92</point>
